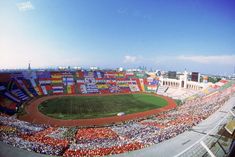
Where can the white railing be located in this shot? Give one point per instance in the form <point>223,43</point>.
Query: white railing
<point>197,149</point>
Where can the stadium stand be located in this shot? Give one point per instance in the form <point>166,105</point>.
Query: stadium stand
<point>106,140</point>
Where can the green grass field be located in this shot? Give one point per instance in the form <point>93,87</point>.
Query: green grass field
<point>82,107</point>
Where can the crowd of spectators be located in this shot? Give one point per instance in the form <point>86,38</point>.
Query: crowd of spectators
<point>114,139</point>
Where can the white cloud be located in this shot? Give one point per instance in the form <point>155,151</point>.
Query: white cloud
<point>25,6</point>
<point>182,59</point>
<point>137,59</point>
<point>215,59</point>
<point>130,59</point>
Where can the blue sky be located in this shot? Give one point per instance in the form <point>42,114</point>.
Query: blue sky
<point>198,35</point>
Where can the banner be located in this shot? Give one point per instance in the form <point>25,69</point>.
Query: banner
<point>83,89</point>
<point>102,86</point>
<point>37,89</point>
<point>91,88</point>
<point>114,89</point>
<point>44,82</point>
<point>44,90</point>
<point>79,74</point>
<point>90,80</point>
<point>18,93</point>
<point>10,96</point>
<point>69,90</point>
<point>134,88</point>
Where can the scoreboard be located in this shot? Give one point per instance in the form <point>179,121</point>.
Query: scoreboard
<point>172,74</point>
<point>195,76</point>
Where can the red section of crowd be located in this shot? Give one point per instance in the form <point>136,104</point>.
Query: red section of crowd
<point>43,138</point>
<point>95,133</point>
<point>104,151</point>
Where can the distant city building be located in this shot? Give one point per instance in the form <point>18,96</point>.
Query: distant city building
<point>120,69</point>
<point>77,68</point>
<point>94,68</point>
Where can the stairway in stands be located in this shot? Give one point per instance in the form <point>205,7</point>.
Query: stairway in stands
<point>162,90</point>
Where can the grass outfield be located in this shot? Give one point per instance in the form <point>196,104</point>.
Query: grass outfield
<point>83,107</point>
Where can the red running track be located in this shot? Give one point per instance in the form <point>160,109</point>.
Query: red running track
<point>34,116</point>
